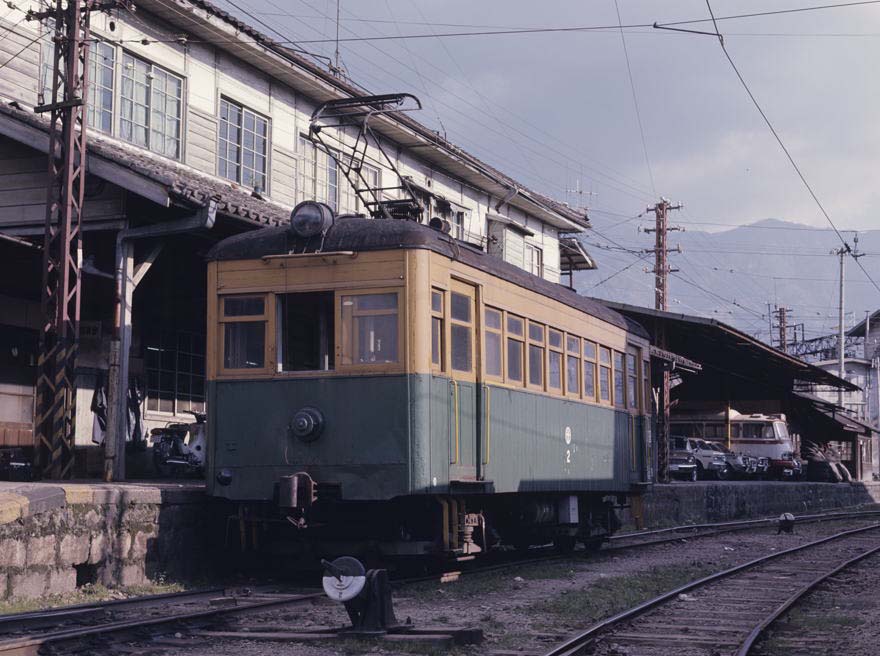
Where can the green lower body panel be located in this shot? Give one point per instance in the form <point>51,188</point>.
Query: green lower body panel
<point>390,436</point>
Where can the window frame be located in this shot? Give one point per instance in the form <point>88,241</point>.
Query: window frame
<point>438,367</point>
<point>268,320</point>
<point>573,353</point>
<point>521,340</point>
<point>605,367</point>
<point>382,367</point>
<point>592,361</point>
<point>118,118</point>
<point>499,377</point>
<point>278,328</point>
<point>542,345</point>
<point>619,403</point>
<point>240,166</point>
<point>470,292</point>
<point>632,376</point>
<point>533,259</point>
<point>559,350</point>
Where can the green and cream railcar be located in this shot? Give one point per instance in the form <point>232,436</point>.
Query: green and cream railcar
<point>383,384</point>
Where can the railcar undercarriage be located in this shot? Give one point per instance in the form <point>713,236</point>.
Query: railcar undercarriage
<point>427,526</point>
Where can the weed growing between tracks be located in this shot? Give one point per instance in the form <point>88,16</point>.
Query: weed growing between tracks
<point>611,595</point>
<point>88,594</point>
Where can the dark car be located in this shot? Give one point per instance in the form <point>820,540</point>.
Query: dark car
<point>682,463</point>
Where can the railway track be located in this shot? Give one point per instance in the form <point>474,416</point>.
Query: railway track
<point>726,612</point>
<point>27,633</point>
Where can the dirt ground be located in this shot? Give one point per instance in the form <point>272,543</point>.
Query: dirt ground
<point>529,609</point>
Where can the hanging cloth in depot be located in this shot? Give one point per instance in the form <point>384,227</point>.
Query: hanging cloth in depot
<point>99,410</point>
<point>135,419</point>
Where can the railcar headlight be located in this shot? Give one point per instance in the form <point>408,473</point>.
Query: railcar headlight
<point>309,219</point>
<point>307,424</point>
<point>224,477</point>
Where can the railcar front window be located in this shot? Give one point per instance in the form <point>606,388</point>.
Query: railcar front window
<point>554,361</point>
<point>573,365</point>
<point>781,430</point>
<point>589,370</point>
<point>437,335</point>
<point>461,342</point>
<point>515,347</point>
<point>536,354</point>
<point>631,381</point>
<point>605,374</point>
<point>244,345</point>
<point>369,329</point>
<point>305,332</point>
<point>619,384</point>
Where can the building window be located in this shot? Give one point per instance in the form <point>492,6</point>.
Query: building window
<point>102,71</point>
<point>305,335</point>
<point>536,354</point>
<point>333,176</point>
<point>458,225</point>
<point>244,332</point>
<point>372,179</point>
<point>534,260</point>
<point>589,370</point>
<point>493,341</point>
<point>573,365</point>
<point>370,329</point>
<point>437,333</point>
<point>308,170</point>
<point>514,349</point>
<point>150,106</point>
<point>175,367</point>
<point>460,329</point>
<point>243,145</point>
<point>554,360</point>
<point>604,374</point>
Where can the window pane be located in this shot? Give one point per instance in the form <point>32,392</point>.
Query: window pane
<point>493,319</point>
<point>375,301</point>
<point>514,360</point>
<point>369,329</point>
<point>243,306</point>
<point>514,325</point>
<point>436,339</point>
<point>244,345</point>
<point>604,384</point>
<point>376,339</point>
<point>436,302</point>
<point>493,354</point>
<point>589,350</point>
<point>536,364</point>
<point>573,344</point>
<point>619,399</point>
<point>555,338</point>
<point>554,373</point>
<point>589,380</point>
<point>305,332</point>
<point>631,396</point>
<point>573,374</point>
<point>461,346</point>
<point>460,307</point>
<point>536,332</point>
<point>604,355</point>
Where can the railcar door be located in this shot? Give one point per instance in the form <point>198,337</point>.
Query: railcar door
<point>464,386</point>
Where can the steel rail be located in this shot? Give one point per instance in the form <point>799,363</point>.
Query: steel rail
<point>758,631</point>
<point>28,645</point>
<point>573,645</point>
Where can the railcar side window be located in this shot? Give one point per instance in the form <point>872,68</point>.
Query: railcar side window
<point>573,365</point>
<point>554,360</point>
<point>536,354</point>
<point>244,332</point>
<point>619,380</point>
<point>646,387</point>
<point>438,335</point>
<point>632,380</point>
<point>589,370</point>
<point>604,374</point>
<point>493,342</point>
<point>514,349</point>
<point>461,331</point>
<point>369,329</point>
<point>305,334</point>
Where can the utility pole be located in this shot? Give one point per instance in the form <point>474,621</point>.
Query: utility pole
<point>842,252</point>
<point>782,327</point>
<point>770,324</point>
<point>62,246</point>
<point>661,299</point>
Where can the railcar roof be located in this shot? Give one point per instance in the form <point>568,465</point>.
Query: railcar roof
<point>360,234</point>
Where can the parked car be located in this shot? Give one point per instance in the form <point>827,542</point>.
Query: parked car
<point>682,462</point>
<point>740,465</point>
<point>786,467</point>
<point>710,463</point>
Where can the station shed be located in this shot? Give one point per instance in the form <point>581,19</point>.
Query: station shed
<point>742,373</point>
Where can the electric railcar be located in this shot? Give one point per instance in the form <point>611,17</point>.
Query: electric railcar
<point>375,384</point>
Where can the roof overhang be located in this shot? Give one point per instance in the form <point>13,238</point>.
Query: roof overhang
<point>573,256</point>
<point>723,348</point>
<point>212,25</point>
<point>510,223</point>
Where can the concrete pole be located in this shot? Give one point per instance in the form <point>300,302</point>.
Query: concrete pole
<point>841,367</point>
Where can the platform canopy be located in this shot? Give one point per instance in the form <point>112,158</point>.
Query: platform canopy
<point>744,366</point>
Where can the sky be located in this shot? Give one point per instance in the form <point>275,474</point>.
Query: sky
<point>557,111</point>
